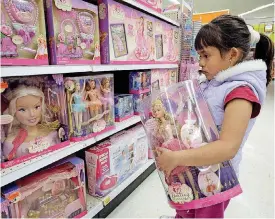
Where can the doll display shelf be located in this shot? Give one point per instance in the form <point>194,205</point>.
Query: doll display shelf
<point>13,173</point>
<point>11,71</point>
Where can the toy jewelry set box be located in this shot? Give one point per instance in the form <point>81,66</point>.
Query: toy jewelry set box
<point>23,33</point>
<point>73,32</point>
<point>156,5</point>
<point>56,192</point>
<point>179,119</point>
<point>123,107</point>
<point>140,82</point>
<point>128,36</point>
<point>111,162</point>
<point>35,118</point>
<point>90,105</point>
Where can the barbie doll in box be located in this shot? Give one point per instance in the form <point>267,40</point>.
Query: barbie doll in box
<point>93,98</point>
<point>171,53</point>
<point>78,106</point>
<point>164,133</point>
<point>30,132</point>
<point>106,98</point>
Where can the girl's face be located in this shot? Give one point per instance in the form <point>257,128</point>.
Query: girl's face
<point>158,111</point>
<point>29,110</point>
<point>212,62</point>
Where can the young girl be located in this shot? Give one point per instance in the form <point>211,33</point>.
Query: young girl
<point>234,89</point>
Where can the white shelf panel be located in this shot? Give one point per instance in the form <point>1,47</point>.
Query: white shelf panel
<point>94,206</point>
<point>9,71</point>
<point>119,127</point>
<point>100,68</point>
<point>151,11</point>
<point>107,199</point>
<point>13,173</point>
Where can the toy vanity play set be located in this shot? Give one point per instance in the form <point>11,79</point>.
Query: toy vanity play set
<point>179,119</point>
<point>129,36</point>
<point>56,192</point>
<point>123,107</point>
<point>34,118</point>
<point>111,162</point>
<point>90,105</point>
<point>73,32</point>
<point>23,33</point>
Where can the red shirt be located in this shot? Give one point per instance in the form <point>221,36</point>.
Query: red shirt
<point>244,92</point>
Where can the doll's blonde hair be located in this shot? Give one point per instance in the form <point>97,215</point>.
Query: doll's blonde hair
<point>23,91</point>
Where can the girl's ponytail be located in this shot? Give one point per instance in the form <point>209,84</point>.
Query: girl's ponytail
<point>265,51</point>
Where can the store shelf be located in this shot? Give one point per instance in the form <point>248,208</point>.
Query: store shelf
<point>100,68</point>
<point>13,173</point>
<point>119,126</point>
<point>151,11</point>
<point>9,71</point>
<point>186,5</point>
<point>106,200</point>
<point>95,205</point>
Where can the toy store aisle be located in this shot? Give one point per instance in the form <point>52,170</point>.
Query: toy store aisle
<point>257,201</point>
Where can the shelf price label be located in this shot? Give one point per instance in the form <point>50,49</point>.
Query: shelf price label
<point>107,200</point>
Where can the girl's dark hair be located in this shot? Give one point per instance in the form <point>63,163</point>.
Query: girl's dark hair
<point>265,51</point>
<point>228,31</point>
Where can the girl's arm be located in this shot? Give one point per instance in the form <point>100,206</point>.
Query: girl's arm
<point>236,118</point>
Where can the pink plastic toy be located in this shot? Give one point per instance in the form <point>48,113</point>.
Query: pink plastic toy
<point>73,32</point>
<point>23,34</point>
<point>56,192</point>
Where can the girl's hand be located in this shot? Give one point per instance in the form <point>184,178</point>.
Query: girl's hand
<point>166,160</point>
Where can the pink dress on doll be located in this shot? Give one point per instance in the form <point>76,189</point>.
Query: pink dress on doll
<point>23,149</point>
<point>140,39</point>
<point>173,144</point>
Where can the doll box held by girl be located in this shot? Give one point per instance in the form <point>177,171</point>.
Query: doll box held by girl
<point>38,107</point>
<point>90,105</point>
<point>23,33</point>
<point>73,32</point>
<point>179,119</point>
<point>56,192</point>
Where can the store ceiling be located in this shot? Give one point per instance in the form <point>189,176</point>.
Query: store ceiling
<point>235,6</point>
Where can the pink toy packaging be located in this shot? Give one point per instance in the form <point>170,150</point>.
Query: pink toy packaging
<point>35,118</point>
<point>56,192</point>
<point>114,160</point>
<point>162,78</point>
<point>108,165</point>
<point>5,208</point>
<point>90,105</point>
<point>123,107</point>
<point>179,119</point>
<point>140,82</point>
<point>137,102</point>
<point>156,5</point>
<point>23,33</point>
<point>73,32</point>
